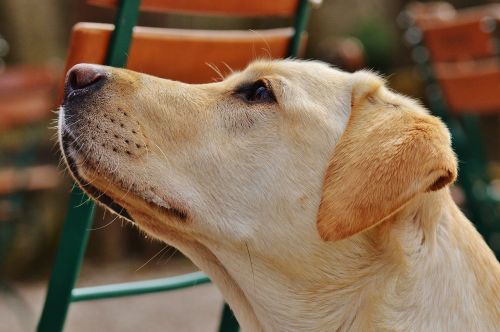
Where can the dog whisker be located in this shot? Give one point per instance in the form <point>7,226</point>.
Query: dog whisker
<point>216,70</point>
<point>106,225</point>
<point>231,70</point>
<point>251,265</point>
<point>154,256</point>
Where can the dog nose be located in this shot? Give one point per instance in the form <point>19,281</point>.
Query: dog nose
<point>83,75</point>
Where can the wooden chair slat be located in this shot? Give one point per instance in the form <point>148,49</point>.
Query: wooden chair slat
<point>157,51</point>
<point>470,89</point>
<point>214,7</point>
<point>23,78</point>
<point>31,178</point>
<point>459,40</point>
<point>25,108</point>
<point>26,95</point>
<point>430,14</point>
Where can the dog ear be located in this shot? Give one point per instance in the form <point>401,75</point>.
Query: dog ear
<point>391,151</point>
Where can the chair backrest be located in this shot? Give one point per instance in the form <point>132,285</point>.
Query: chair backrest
<point>215,7</point>
<point>184,55</point>
<point>460,39</point>
<point>439,12</point>
<point>26,95</point>
<point>470,87</point>
<point>463,52</point>
<point>418,13</point>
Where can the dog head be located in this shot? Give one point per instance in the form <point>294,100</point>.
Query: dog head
<point>283,151</point>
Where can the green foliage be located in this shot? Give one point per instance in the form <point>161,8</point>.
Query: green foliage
<point>379,41</point>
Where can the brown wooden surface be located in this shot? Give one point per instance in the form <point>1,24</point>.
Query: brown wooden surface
<point>427,13</point>
<point>183,55</point>
<point>215,7</point>
<point>28,179</point>
<point>16,78</point>
<point>26,94</point>
<point>472,87</point>
<point>437,13</point>
<point>461,44</point>
<point>25,108</point>
<point>459,40</point>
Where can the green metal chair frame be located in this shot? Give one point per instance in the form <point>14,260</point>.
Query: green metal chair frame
<point>482,205</point>
<point>77,225</point>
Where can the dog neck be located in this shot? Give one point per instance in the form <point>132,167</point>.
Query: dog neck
<point>367,281</point>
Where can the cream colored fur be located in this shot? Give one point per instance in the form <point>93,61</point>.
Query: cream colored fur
<point>328,210</point>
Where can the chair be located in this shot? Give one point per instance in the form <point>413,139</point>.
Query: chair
<point>459,62</point>
<point>150,50</point>
<point>26,100</point>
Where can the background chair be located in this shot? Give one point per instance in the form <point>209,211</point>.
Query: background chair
<point>26,100</point>
<point>26,97</point>
<point>189,52</point>
<point>458,59</point>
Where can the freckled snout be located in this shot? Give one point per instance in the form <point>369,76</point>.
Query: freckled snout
<point>96,111</point>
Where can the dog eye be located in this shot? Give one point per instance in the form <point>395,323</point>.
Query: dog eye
<point>258,92</point>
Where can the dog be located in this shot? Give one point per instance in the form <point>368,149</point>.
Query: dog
<point>315,199</point>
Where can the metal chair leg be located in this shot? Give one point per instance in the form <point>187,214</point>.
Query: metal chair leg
<point>67,264</point>
<point>300,24</point>
<point>79,217</point>
<point>228,322</point>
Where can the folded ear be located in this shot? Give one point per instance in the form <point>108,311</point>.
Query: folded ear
<point>390,152</point>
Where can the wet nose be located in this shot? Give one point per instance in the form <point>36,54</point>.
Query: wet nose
<point>83,75</point>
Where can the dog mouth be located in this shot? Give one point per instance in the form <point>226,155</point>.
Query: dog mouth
<point>153,201</point>
<point>92,191</point>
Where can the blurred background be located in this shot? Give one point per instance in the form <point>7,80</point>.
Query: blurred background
<point>34,188</point>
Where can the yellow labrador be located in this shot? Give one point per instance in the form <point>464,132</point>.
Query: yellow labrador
<point>316,200</point>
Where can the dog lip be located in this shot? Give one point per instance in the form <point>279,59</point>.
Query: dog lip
<point>183,216</point>
<point>153,200</point>
<point>156,201</point>
<point>92,191</point>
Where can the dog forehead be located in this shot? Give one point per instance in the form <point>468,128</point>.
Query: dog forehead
<point>300,72</point>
